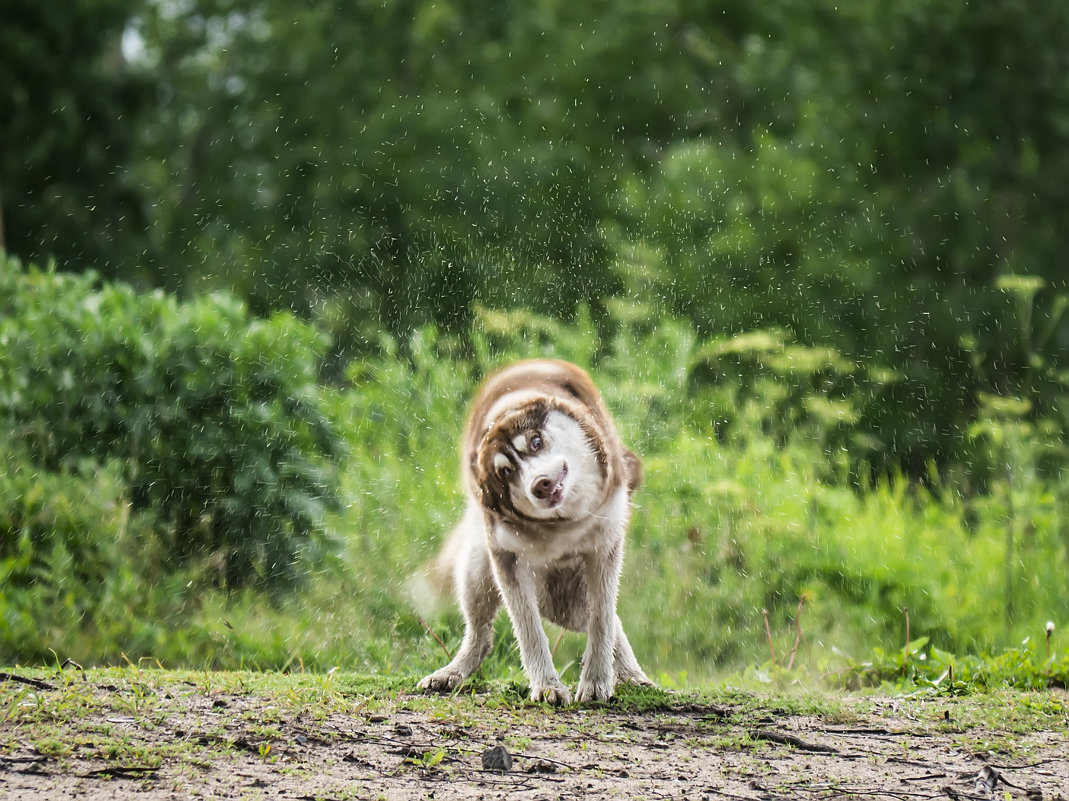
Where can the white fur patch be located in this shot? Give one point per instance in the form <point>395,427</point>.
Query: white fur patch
<point>568,462</point>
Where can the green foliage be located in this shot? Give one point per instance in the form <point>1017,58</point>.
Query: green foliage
<point>834,173</point>
<point>81,573</point>
<point>806,263</point>
<point>748,503</point>
<point>753,530</point>
<point>55,541</point>
<point>212,418</point>
<point>1028,666</point>
<point>762,236</point>
<point>404,187</point>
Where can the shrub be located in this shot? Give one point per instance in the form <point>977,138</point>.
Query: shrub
<point>65,571</point>
<point>213,417</point>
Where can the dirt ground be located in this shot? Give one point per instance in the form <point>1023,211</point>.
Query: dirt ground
<point>186,739</point>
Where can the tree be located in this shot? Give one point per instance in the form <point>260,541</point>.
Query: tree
<point>906,160</point>
<point>70,108</point>
<point>392,162</point>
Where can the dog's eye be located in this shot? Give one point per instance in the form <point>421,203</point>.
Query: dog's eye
<point>505,471</point>
<point>535,444</point>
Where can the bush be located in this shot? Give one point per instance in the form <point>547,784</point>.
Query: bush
<point>213,418</point>
<point>66,576</point>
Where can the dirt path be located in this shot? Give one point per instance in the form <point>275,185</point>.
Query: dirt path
<point>149,735</point>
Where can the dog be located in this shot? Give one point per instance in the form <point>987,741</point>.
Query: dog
<point>549,484</point>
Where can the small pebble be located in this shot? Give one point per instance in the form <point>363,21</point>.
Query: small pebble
<point>497,757</point>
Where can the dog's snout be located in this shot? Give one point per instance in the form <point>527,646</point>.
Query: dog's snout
<point>543,487</point>
<point>550,488</point>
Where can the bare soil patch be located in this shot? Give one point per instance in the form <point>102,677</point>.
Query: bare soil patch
<point>154,735</point>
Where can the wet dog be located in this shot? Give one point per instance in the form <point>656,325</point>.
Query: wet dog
<point>549,486</point>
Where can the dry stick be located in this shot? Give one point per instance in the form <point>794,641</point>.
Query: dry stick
<point>926,777</point>
<point>768,633</point>
<point>437,639</point>
<point>557,643</point>
<point>880,792</point>
<point>797,631</point>
<point>789,739</point>
<point>72,663</point>
<point>35,683</point>
<point>905,611</point>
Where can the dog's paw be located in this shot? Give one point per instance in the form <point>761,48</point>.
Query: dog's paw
<point>593,690</point>
<point>637,678</point>
<point>554,694</point>
<point>441,681</point>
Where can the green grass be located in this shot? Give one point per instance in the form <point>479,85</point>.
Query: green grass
<point>89,713</point>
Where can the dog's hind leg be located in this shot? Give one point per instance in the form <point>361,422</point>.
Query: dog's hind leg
<point>625,666</point>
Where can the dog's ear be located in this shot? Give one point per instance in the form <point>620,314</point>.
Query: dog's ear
<point>492,488</point>
<point>490,496</point>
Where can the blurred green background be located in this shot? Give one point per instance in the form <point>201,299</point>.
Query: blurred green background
<point>259,253</point>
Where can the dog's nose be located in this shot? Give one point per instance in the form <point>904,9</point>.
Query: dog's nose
<point>543,488</point>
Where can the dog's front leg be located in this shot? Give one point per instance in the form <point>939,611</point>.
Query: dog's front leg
<point>479,602</point>
<point>596,681</point>
<point>516,581</point>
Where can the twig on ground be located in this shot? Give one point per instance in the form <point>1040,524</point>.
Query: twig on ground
<point>924,778</point>
<point>790,739</point>
<point>35,683</point>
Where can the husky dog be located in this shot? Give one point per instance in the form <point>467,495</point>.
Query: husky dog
<point>548,484</point>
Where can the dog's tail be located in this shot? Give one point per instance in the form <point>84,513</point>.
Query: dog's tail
<point>431,587</point>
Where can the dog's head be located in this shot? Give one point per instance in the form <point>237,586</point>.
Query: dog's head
<point>544,460</point>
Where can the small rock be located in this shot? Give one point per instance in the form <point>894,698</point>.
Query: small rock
<point>986,780</point>
<point>497,757</point>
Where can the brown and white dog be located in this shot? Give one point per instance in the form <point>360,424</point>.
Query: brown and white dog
<point>549,486</point>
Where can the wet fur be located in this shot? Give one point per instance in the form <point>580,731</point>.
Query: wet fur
<point>543,529</point>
